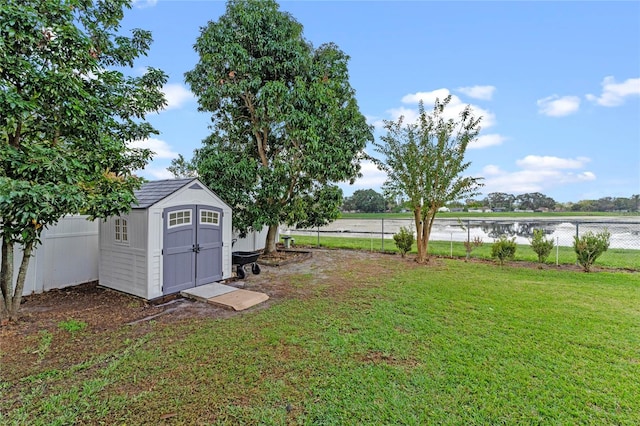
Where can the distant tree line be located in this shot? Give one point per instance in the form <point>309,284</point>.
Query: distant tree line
<point>607,204</point>
<point>370,201</point>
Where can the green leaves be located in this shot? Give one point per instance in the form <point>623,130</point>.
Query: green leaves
<point>403,240</point>
<point>590,246</point>
<point>541,245</point>
<point>286,121</point>
<point>66,116</point>
<point>504,249</point>
<point>424,162</point>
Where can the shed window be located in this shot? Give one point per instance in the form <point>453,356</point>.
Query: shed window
<point>179,218</point>
<point>210,217</point>
<point>121,230</point>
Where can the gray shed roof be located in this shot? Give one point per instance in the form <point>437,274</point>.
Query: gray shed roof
<point>152,192</point>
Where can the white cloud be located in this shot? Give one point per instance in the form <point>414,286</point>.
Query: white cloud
<point>556,106</point>
<point>536,174</point>
<point>156,173</point>
<point>429,98</point>
<point>141,4</point>
<point>160,148</point>
<point>546,162</point>
<point>410,115</point>
<point>453,110</point>
<point>176,95</point>
<point>614,94</point>
<point>484,141</point>
<point>492,170</point>
<point>478,92</point>
<point>586,176</point>
<point>372,177</point>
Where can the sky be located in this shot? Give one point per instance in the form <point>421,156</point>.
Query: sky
<point>557,84</point>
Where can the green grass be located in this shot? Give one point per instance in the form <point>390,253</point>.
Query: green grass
<point>452,343</point>
<point>612,258</point>
<point>73,326</point>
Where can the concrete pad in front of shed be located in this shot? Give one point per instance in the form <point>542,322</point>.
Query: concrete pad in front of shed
<point>207,291</point>
<point>239,299</point>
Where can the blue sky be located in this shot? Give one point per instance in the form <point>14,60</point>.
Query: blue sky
<point>557,83</point>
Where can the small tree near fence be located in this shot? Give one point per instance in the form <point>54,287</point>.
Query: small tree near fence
<point>404,240</point>
<point>469,245</point>
<point>590,246</point>
<point>504,249</point>
<point>425,164</point>
<point>541,245</point>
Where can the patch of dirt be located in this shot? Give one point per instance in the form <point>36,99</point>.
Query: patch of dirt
<point>284,257</point>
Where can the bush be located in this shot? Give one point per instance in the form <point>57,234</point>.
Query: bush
<point>541,246</point>
<point>504,249</point>
<point>404,240</point>
<point>590,246</point>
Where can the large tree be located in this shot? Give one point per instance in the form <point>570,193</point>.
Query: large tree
<point>425,163</point>
<point>368,201</point>
<point>285,123</point>
<point>500,200</point>
<point>66,116</point>
<point>534,201</point>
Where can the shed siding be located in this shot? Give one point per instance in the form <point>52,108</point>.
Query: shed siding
<point>127,270</point>
<point>154,217</point>
<point>123,267</point>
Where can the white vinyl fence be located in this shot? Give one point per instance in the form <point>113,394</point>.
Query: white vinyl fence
<point>67,256</point>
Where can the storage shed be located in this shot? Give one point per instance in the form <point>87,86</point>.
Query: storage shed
<point>177,237</point>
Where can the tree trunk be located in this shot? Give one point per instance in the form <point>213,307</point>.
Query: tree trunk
<point>427,232</point>
<point>420,241</point>
<point>11,298</point>
<point>6,280</point>
<point>22,277</point>
<point>270,244</point>
<point>423,256</point>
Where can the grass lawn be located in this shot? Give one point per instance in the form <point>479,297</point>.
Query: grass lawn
<point>612,258</point>
<point>448,343</point>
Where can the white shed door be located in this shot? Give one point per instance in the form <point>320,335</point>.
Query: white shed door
<point>192,252</point>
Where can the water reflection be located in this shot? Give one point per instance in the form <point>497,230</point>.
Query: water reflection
<point>519,229</point>
<point>624,234</point>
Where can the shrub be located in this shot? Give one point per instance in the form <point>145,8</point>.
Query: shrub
<point>503,249</point>
<point>470,245</point>
<point>404,240</point>
<point>590,246</point>
<point>541,245</point>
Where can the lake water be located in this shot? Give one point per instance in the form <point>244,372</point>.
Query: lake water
<point>625,231</point>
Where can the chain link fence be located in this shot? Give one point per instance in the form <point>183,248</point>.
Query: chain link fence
<point>625,231</point>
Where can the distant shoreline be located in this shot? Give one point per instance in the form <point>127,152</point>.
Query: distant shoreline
<point>549,216</point>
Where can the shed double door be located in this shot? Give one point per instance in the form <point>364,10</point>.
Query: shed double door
<point>192,251</point>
